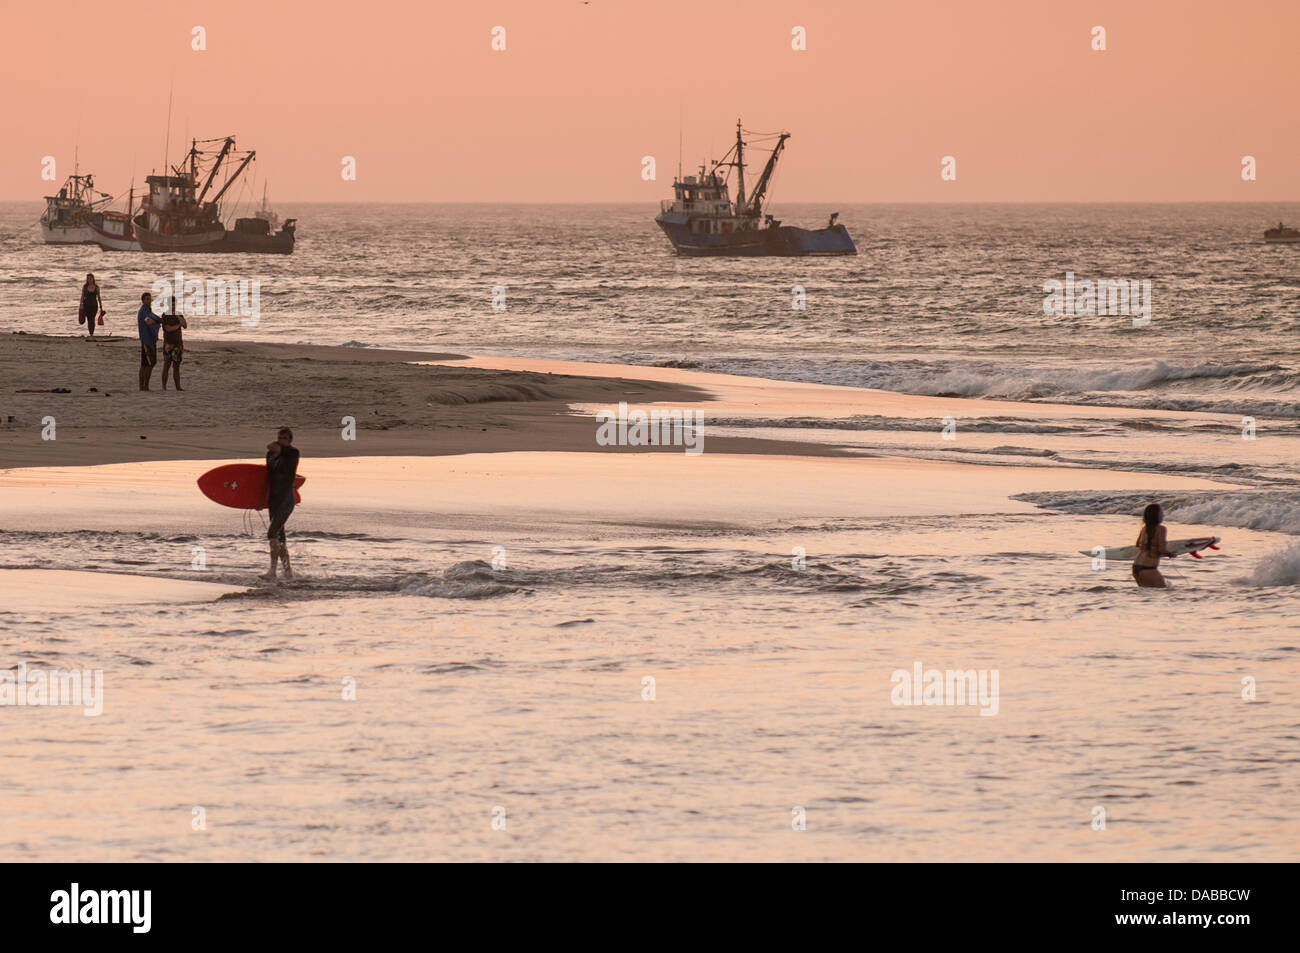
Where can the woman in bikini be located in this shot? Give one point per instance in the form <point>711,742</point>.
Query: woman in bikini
<point>1152,543</point>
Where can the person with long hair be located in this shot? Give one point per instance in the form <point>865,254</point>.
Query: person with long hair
<point>1152,543</point>
<point>91,308</point>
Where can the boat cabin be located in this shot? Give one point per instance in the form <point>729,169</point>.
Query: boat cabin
<point>706,202</point>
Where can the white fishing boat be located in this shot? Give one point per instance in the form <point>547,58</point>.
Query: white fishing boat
<point>66,220</point>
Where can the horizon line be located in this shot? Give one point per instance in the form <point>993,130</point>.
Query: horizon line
<point>783,202</point>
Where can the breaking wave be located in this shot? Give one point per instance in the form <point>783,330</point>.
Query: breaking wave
<point>1278,569</point>
<point>1275,512</point>
<point>1254,388</point>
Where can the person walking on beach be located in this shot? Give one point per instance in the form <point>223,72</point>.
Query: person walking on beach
<point>1152,543</point>
<point>148,323</point>
<point>91,308</point>
<point>281,469</point>
<point>173,347</point>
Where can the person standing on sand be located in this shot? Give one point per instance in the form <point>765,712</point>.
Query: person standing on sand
<point>91,307</point>
<point>173,347</point>
<point>148,323</point>
<point>281,469</point>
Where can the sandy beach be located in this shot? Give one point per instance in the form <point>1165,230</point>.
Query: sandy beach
<point>237,391</point>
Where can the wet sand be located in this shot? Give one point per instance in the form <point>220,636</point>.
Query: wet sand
<point>519,489</point>
<point>30,590</point>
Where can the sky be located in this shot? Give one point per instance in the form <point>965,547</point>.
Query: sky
<point>413,91</point>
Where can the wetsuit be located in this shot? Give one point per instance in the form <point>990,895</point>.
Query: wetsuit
<point>281,469</point>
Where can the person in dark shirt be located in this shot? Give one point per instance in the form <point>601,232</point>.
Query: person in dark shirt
<point>281,469</point>
<point>91,306</point>
<point>173,347</point>
<point>147,323</point>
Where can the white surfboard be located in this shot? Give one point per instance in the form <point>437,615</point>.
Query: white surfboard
<point>1179,547</point>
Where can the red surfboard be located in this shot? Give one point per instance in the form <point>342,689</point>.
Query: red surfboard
<point>241,485</point>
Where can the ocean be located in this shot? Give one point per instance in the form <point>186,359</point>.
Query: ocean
<point>941,299</point>
<point>770,618</point>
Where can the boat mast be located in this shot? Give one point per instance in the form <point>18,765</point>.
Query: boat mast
<point>229,144</point>
<point>231,181</point>
<point>740,165</point>
<point>761,189</point>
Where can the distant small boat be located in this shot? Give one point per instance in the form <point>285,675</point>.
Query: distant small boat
<point>703,220</point>
<point>265,213</point>
<point>1282,235</point>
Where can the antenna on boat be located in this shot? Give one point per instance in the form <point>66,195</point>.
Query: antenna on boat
<point>167,143</point>
<point>740,168</point>
<point>681,108</point>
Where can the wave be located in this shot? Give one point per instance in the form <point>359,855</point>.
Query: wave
<point>862,422</point>
<point>1281,568</point>
<point>1270,512</point>
<point>470,579</point>
<point>1248,388</point>
<point>1267,511</point>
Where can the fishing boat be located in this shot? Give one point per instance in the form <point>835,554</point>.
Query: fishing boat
<point>114,231</point>
<point>178,216</point>
<point>1282,235</point>
<point>265,213</point>
<point>702,219</point>
<point>66,219</point>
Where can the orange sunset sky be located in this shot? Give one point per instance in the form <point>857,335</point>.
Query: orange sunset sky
<point>414,91</point>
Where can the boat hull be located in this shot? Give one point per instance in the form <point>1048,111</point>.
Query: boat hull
<point>1282,239</point>
<point>785,241</point>
<point>67,234</point>
<point>220,242</point>
<point>114,232</point>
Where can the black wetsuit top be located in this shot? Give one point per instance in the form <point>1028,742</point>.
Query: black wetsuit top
<point>90,305</point>
<point>281,468</point>
<point>171,330</point>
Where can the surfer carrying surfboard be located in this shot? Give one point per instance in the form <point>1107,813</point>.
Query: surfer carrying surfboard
<point>1152,543</point>
<point>281,468</point>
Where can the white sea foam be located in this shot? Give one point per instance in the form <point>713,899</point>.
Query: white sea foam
<point>1276,512</point>
<point>1258,388</point>
<point>1281,568</point>
<point>1272,512</point>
